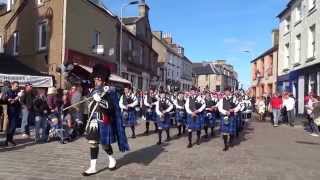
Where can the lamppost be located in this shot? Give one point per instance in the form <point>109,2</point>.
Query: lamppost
<point>121,27</point>
<point>248,52</point>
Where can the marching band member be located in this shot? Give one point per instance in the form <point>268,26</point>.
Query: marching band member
<point>180,113</point>
<point>194,107</point>
<point>210,114</point>
<point>228,109</point>
<point>128,103</point>
<point>163,107</point>
<point>104,125</point>
<point>150,107</point>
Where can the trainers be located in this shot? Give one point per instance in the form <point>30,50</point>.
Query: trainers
<point>314,135</point>
<point>25,136</point>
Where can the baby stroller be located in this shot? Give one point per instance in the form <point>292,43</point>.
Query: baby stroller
<point>57,128</point>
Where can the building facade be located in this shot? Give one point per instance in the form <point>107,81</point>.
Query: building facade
<point>46,34</point>
<point>140,61</point>
<point>214,76</point>
<point>175,70</point>
<point>264,70</point>
<point>299,63</point>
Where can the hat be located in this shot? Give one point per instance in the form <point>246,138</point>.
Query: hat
<point>52,91</point>
<point>100,71</point>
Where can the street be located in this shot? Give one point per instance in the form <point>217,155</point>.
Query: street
<point>263,152</point>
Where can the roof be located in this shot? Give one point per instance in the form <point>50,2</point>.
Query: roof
<point>130,20</point>
<point>269,51</point>
<point>167,46</point>
<point>10,65</point>
<point>102,7</point>
<point>290,3</point>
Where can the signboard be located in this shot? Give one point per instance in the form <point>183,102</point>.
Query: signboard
<point>36,81</point>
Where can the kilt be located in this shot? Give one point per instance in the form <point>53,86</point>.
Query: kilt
<point>165,122</point>
<point>129,118</point>
<point>102,134</point>
<point>228,126</point>
<point>181,117</point>
<point>195,124</point>
<point>150,115</point>
<point>209,119</point>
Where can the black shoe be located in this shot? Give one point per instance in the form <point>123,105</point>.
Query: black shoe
<point>225,148</point>
<point>87,174</point>
<point>189,145</point>
<point>133,136</point>
<point>62,142</point>
<point>12,142</point>
<point>5,144</point>
<point>206,136</point>
<point>159,143</point>
<point>113,169</point>
<point>146,133</point>
<point>168,139</point>
<point>198,142</point>
<point>212,134</point>
<point>179,134</point>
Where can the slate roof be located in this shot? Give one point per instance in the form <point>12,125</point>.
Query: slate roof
<point>130,20</point>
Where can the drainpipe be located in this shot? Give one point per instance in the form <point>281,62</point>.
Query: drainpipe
<point>63,47</point>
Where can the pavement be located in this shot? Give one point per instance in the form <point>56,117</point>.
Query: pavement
<point>261,153</point>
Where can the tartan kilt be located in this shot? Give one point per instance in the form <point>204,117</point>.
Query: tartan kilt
<point>103,134</point>
<point>130,119</point>
<point>230,127</point>
<point>181,116</point>
<point>150,115</point>
<point>209,119</point>
<point>165,123</point>
<point>195,124</point>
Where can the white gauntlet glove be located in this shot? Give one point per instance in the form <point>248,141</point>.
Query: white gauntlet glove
<point>96,97</point>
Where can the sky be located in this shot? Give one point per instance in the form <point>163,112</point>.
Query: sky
<point>214,29</point>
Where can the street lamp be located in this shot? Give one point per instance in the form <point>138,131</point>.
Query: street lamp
<point>121,27</point>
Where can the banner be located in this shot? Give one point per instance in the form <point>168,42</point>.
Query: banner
<point>36,81</point>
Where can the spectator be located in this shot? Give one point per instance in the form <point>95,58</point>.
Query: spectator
<point>310,106</point>
<point>26,109</point>
<point>41,110</point>
<point>77,111</point>
<point>276,105</point>
<point>4,104</point>
<point>13,112</point>
<point>289,104</point>
<point>53,100</point>
<point>260,104</point>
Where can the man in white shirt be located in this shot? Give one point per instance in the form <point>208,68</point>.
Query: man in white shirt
<point>289,103</point>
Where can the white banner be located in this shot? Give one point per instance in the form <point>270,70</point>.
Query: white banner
<point>36,81</point>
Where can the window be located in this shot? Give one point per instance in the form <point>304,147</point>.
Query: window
<point>312,4</point>
<point>312,41</point>
<point>298,12</point>
<point>40,2</point>
<point>96,38</point>
<point>10,4</point>
<point>141,56</point>
<point>1,45</point>
<point>297,49</point>
<point>286,56</point>
<point>287,24</point>
<point>43,35</point>
<point>130,47</point>
<point>16,43</point>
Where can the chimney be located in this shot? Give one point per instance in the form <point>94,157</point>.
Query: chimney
<point>275,37</point>
<point>143,9</point>
<point>167,38</point>
<point>158,34</point>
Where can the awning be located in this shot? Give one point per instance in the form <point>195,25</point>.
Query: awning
<point>13,70</point>
<point>113,77</point>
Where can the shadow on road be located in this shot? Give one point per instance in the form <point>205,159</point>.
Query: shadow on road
<point>21,144</point>
<point>243,135</point>
<point>308,143</point>
<point>142,156</point>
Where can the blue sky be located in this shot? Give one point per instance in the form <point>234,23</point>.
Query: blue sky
<point>215,29</point>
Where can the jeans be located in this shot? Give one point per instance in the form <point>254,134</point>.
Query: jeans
<point>13,116</point>
<point>41,124</point>
<point>25,120</point>
<point>290,115</point>
<point>276,116</point>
